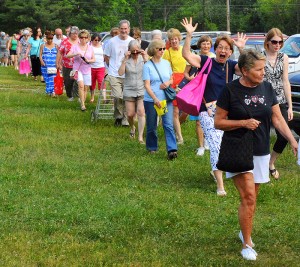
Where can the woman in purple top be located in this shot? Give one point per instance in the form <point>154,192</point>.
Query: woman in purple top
<point>83,55</point>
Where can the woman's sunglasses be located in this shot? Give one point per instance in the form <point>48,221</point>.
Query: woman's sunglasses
<point>161,48</point>
<point>276,42</point>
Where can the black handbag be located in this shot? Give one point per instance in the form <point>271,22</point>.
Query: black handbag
<point>169,91</point>
<point>236,151</point>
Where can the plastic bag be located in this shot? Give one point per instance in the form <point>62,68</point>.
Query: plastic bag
<point>58,84</point>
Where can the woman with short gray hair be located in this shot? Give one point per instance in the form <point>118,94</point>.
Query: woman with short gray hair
<point>66,64</point>
<point>251,95</point>
<point>133,91</point>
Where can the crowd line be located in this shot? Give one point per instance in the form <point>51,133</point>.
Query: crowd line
<point>139,73</point>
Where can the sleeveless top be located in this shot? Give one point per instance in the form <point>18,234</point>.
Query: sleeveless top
<point>49,56</point>
<point>14,44</point>
<point>273,75</point>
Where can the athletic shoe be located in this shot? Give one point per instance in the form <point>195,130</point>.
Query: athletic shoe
<point>70,99</point>
<point>249,253</point>
<point>172,155</point>
<point>200,151</point>
<point>221,193</point>
<point>242,239</point>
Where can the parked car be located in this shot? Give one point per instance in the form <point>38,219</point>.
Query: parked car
<point>255,41</point>
<point>294,79</point>
<point>291,48</point>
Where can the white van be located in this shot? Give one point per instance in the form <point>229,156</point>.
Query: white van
<point>291,48</point>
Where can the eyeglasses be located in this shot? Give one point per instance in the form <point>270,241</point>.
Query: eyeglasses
<point>49,38</point>
<point>226,49</point>
<point>96,40</point>
<point>274,42</point>
<point>161,49</point>
<point>135,52</point>
<point>83,37</point>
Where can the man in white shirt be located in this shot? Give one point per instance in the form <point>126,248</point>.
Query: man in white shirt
<point>58,37</point>
<point>114,51</point>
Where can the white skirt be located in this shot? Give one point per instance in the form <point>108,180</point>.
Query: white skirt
<point>260,171</point>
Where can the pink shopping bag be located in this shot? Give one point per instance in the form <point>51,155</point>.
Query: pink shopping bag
<point>190,96</point>
<point>24,66</point>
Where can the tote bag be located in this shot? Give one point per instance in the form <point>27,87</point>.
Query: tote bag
<point>190,96</point>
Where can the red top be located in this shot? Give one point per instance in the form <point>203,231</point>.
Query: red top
<point>64,49</point>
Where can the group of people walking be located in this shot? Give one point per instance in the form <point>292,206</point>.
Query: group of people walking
<point>140,72</point>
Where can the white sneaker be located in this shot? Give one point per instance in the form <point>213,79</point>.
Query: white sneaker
<point>249,253</point>
<point>206,146</point>
<point>70,99</point>
<point>242,239</point>
<point>200,151</point>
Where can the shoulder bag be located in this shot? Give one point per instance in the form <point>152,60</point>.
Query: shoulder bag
<point>212,106</point>
<point>74,73</point>
<point>236,151</point>
<point>190,96</point>
<point>169,91</point>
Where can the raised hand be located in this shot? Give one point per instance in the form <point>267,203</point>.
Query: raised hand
<point>188,25</point>
<point>241,40</point>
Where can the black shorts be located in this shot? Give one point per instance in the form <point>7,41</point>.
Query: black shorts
<point>13,52</point>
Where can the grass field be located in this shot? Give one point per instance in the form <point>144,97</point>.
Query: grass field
<point>80,194</point>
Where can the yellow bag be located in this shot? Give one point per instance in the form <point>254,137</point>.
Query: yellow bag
<point>163,110</point>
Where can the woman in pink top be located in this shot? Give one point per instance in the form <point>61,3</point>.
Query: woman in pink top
<point>83,55</point>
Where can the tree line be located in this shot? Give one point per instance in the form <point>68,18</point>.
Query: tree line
<point>102,15</point>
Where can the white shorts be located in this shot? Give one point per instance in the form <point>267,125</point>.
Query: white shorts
<point>86,78</point>
<point>260,171</point>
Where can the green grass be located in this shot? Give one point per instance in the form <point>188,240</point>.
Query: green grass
<point>80,194</point>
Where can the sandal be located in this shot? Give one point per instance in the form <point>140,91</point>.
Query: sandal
<point>274,173</point>
<point>132,133</point>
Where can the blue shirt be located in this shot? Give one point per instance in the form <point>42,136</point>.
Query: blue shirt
<point>35,46</point>
<point>150,73</point>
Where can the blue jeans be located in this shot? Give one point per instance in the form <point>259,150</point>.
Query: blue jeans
<point>151,124</point>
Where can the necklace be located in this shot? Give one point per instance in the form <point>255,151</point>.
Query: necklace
<point>221,64</point>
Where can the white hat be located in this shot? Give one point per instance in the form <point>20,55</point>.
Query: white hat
<point>2,33</point>
<point>25,32</point>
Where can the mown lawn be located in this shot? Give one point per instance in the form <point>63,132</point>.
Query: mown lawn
<point>80,194</point>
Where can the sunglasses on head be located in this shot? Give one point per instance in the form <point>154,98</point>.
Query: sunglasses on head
<point>276,42</point>
<point>161,48</point>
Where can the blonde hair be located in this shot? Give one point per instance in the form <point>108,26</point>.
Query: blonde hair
<point>84,32</point>
<point>172,33</point>
<point>153,45</point>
